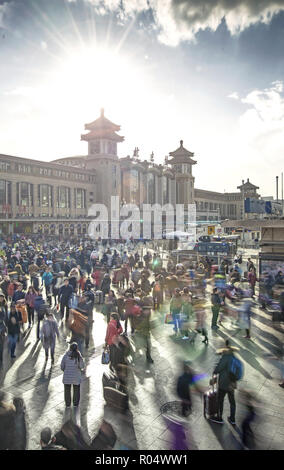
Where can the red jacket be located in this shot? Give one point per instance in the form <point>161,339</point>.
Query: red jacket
<point>112,332</point>
<point>82,283</point>
<point>252,278</point>
<point>97,278</point>
<point>11,289</point>
<point>128,304</point>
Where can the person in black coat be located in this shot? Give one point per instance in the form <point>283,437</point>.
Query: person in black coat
<point>105,287</point>
<point>13,326</point>
<point>3,334</point>
<point>184,383</point>
<point>18,294</point>
<point>65,293</point>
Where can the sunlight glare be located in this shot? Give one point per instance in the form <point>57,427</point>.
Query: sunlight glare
<point>97,78</point>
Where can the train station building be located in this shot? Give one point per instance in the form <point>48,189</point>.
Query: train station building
<point>54,197</point>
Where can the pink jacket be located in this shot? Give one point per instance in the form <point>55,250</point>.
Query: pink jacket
<point>112,332</point>
<point>30,299</point>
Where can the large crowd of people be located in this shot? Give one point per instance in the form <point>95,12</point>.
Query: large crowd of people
<point>50,283</point>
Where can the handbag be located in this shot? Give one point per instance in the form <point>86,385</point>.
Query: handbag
<point>105,357</point>
<point>169,319</point>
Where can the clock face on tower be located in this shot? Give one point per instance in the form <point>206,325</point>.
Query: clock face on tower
<point>95,148</point>
<point>111,148</point>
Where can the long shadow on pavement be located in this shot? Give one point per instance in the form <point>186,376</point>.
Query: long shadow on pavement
<point>225,437</point>
<point>40,394</point>
<point>27,368</point>
<point>247,355</point>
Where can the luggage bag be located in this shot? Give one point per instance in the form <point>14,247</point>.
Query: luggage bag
<point>109,379</point>
<point>115,398</point>
<point>210,402</point>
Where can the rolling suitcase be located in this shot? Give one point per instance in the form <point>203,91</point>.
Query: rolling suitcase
<point>79,323</point>
<point>109,379</point>
<point>210,402</point>
<point>115,398</point>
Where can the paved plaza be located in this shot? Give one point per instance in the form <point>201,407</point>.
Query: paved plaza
<point>150,387</point>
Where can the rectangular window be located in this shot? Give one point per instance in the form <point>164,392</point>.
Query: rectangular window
<point>24,195</point>
<point>165,189</point>
<point>2,192</point>
<point>45,193</point>
<point>151,188</point>
<point>80,198</point>
<point>114,183</point>
<point>63,197</point>
<point>5,166</point>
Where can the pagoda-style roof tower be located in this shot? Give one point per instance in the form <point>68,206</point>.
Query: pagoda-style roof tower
<point>181,155</point>
<point>181,163</point>
<point>102,138</point>
<point>102,128</point>
<point>247,186</point>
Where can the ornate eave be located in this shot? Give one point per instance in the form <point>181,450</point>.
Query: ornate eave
<point>102,123</point>
<point>181,155</point>
<point>247,185</point>
<point>102,134</point>
<point>185,159</point>
<point>181,151</point>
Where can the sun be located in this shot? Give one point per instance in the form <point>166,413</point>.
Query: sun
<point>96,77</point>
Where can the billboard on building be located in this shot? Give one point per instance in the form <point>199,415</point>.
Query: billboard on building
<point>211,229</point>
<point>259,206</point>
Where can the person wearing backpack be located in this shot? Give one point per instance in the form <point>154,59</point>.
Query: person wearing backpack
<point>40,309</point>
<point>229,371</point>
<point>49,331</point>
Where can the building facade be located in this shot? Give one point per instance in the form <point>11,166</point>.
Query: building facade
<point>54,197</point>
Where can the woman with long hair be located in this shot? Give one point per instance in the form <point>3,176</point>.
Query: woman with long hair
<point>72,365</point>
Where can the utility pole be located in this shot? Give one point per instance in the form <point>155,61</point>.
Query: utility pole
<point>282,192</point>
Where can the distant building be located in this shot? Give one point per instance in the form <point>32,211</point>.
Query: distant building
<point>54,197</point>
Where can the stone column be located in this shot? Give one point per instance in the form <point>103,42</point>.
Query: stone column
<point>54,201</point>
<point>72,209</point>
<point>14,198</point>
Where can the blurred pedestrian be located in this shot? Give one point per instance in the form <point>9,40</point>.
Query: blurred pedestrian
<point>13,326</point>
<point>49,331</point>
<point>227,382</point>
<point>72,365</point>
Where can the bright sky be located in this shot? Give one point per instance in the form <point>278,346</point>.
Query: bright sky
<point>208,72</point>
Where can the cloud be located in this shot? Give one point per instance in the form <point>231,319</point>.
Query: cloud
<point>43,45</point>
<point>179,20</point>
<point>3,11</point>
<point>262,124</point>
<point>233,95</point>
<point>24,91</point>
